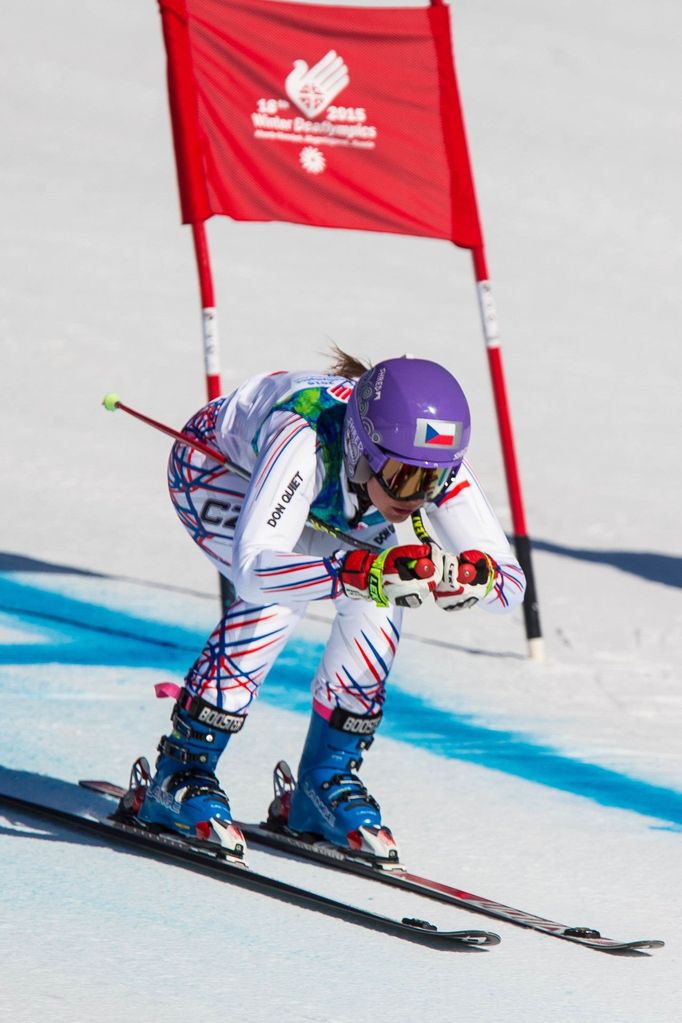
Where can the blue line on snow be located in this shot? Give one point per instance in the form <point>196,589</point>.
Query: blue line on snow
<point>87,633</point>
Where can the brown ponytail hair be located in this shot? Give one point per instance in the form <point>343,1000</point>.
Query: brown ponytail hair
<point>345,365</point>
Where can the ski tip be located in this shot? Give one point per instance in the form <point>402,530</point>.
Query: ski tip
<point>614,947</point>
<point>471,938</point>
<point>478,939</point>
<point>485,938</point>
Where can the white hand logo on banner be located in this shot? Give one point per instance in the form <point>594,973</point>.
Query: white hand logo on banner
<point>313,88</point>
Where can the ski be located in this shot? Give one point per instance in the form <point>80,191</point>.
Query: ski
<point>394,874</point>
<point>205,861</point>
<point>398,877</point>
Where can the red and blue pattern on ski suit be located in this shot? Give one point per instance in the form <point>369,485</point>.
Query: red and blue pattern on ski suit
<point>285,430</point>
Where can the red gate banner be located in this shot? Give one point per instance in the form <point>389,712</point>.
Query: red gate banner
<point>329,116</point>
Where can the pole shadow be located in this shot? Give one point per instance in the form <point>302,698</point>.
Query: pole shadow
<point>658,568</point>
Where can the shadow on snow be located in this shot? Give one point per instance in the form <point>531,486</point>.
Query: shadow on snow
<point>657,568</point>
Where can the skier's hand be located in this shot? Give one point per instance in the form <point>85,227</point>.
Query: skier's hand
<point>466,578</point>
<point>405,575</point>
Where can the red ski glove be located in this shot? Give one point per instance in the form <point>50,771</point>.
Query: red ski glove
<point>466,579</point>
<point>404,576</point>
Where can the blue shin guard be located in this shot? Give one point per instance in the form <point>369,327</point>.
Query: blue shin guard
<point>329,800</point>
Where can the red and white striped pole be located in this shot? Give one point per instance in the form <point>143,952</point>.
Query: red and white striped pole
<point>454,137</point>
<point>208,312</point>
<point>521,539</point>
<point>189,163</point>
<point>209,321</point>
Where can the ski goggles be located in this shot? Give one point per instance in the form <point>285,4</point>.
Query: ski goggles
<point>413,482</point>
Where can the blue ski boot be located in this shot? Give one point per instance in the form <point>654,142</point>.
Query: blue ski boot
<point>184,795</point>
<point>329,800</point>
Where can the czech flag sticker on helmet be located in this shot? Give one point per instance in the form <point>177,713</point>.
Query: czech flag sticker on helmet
<point>436,433</point>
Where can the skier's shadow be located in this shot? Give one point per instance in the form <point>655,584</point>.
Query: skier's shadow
<point>63,795</point>
<point>41,788</point>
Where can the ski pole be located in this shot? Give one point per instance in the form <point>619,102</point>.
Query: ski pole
<point>112,402</point>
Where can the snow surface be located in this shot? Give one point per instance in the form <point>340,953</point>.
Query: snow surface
<point>556,787</point>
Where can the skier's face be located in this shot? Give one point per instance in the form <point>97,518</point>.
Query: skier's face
<point>392,511</point>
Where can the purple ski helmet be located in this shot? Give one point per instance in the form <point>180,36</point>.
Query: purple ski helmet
<point>406,415</point>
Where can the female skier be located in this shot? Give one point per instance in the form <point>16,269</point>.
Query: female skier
<point>358,456</point>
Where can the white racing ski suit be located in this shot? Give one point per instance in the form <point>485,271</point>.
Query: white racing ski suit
<point>286,430</point>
